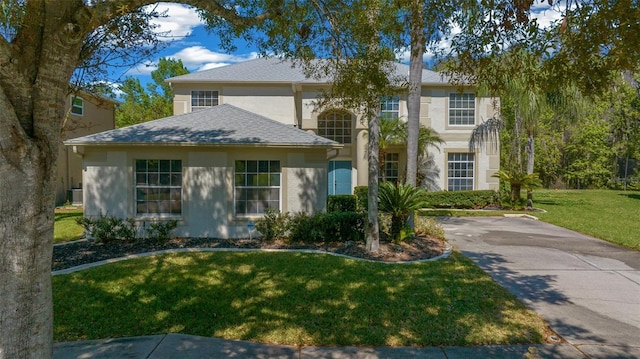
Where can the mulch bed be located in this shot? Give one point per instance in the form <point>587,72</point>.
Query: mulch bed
<point>83,252</point>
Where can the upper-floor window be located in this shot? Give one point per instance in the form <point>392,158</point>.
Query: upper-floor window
<point>77,106</point>
<point>335,125</point>
<point>201,99</point>
<point>462,109</point>
<point>390,107</point>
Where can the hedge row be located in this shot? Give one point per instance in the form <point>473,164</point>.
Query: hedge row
<point>442,199</point>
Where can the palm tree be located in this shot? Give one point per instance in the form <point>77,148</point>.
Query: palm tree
<point>400,201</point>
<point>393,131</point>
<point>530,97</point>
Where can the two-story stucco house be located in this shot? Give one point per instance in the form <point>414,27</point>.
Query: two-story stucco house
<point>86,114</point>
<point>246,137</point>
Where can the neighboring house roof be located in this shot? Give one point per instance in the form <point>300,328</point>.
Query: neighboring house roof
<point>275,70</point>
<point>219,125</point>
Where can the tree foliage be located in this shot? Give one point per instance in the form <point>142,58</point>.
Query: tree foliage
<point>140,105</point>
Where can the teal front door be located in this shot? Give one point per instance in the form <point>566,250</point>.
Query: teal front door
<point>339,177</point>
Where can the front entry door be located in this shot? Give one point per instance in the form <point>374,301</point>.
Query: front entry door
<point>339,177</point>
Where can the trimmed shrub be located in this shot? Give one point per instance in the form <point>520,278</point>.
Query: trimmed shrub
<point>328,227</point>
<point>161,231</point>
<point>362,198</point>
<point>274,224</point>
<point>461,199</point>
<point>341,203</point>
<point>105,228</point>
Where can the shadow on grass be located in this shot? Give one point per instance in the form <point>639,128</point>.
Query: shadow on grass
<point>630,195</point>
<point>295,299</point>
<point>60,216</point>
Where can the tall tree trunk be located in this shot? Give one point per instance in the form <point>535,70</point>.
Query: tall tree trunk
<point>372,228</point>
<point>530,149</point>
<point>34,82</point>
<point>26,312</point>
<point>414,97</point>
<point>415,91</point>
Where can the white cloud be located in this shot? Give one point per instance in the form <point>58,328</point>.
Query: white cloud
<point>180,20</point>
<point>198,58</point>
<point>195,58</point>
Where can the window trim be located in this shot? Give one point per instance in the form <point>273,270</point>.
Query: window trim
<point>279,187</point>
<point>74,98</point>
<point>450,108</point>
<point>198,108</point>
<point>347,118</point>
<point>136,186</point>
<point>473,170</point>
<point>385,101</point>
<point>388,159</point>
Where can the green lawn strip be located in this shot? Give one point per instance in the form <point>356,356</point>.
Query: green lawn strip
<point>65,227</point>
<point>605,214</point>
<point>465,213</point>
<point>294,299</point>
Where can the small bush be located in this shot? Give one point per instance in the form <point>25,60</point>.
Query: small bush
<point>105,228</point>
<point>160,231</point>
<point>428,226</point>
<point>341,203</point>
<point>362,198</point>
<point>461,199</point>
<point>274,224</point>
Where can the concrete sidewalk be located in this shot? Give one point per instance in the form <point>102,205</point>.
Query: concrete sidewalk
<point>188,347</point>
<point>588,290</point>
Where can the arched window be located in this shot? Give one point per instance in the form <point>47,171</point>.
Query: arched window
<point>335,125</point>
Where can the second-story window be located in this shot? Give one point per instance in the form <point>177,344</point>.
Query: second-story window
<point>77,106</point>
<point>201,99</point>
<point>462,109</point>
<point>390,107</point>
<point>335,125</point>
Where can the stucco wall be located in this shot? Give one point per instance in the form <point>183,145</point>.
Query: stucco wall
<point>295,103</point>
<point>207,187</point>
<point>98,116</point>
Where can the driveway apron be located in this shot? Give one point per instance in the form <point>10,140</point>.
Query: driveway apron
<point>588,290</point>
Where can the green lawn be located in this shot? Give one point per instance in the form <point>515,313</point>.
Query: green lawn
<point>294,299</point>
<point>65,228</point>
<point>610,215</point>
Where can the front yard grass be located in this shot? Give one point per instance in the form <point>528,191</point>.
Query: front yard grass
<point>605,214</point>
<point>294,299</point>
<point>65,227</point>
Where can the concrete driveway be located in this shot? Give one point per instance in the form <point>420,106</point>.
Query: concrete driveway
<point>588,290</point>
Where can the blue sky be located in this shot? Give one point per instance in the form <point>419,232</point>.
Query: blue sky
<point>200,50</point>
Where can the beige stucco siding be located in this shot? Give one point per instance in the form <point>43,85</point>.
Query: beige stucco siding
<point>207,184</point>
<point>98,116</point>
<point>107,184</point>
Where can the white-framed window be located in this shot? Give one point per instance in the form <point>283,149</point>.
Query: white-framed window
<point>390,107</point>
<point>159,187</point>
<point>335,125</point>
<point>201,99</point>
<point>460,171</point>
<point>257,186</point>
<point>77,106</point>
<point>462,109</point>
<point>392,167</point>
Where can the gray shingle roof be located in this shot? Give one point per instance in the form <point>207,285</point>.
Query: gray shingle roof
<point>218,125</point>
<point>274,70</point>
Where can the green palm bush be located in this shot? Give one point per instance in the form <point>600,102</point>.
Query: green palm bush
<point>517,181</point>
<point>400,200</point>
